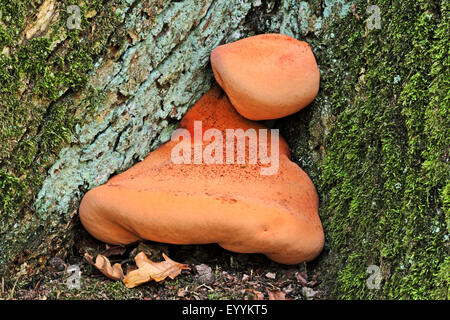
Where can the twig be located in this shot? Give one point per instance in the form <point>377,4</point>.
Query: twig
<point>37,285</point>
<point>354,11</point>
<point>273,287</point>
<point>205,286</point>
<point>13,288</point>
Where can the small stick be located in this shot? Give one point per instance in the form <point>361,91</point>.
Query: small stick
<point>354,10</point>
<point>204,286</point>
<point>37,285</point>
<point>14,288</point>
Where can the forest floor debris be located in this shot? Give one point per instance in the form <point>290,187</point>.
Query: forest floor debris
<point>214,274</point>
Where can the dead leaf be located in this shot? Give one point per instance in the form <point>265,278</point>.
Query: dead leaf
<point>271,275</point>
<point>114,251</point>
<point>301,279</point>
<point>312,283</point>
<point>102,263</point>
<point>152,251</point>
<point>276,295</point>
<point>149,270</point>
<point>182,293</point>
<point>258,295</point>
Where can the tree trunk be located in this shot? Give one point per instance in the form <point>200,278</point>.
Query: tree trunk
<point>84,97</point>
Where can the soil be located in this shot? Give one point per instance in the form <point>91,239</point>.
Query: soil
<point>215,274</point>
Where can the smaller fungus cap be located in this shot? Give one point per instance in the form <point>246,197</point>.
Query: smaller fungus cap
<point>267,76</point>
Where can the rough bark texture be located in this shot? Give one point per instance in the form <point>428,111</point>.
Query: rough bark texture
<point>78,106</point>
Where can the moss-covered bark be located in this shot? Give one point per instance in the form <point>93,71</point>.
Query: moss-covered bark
<point>42,64</point>
<point>376,142</point>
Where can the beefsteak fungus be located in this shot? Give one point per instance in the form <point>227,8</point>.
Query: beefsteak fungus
<point>267,76</point>
<point>229,204</point>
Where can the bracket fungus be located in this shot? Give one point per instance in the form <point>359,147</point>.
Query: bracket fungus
<point>267,76</point>
<point>212,201</point>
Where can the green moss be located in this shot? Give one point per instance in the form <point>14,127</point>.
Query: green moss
<point>94,288</point>
<point>12,20</point>
<point>383,181</point>
<point>37,113</point>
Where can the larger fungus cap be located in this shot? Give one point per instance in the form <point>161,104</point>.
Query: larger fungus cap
<point>267,76</point>
<point>229,204</point>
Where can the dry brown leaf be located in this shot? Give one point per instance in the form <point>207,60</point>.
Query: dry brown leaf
<point>149,270</point>
<point>276,295</point>
<point>102,263</point>
<point>182,293</point>
<point>114,251</point>
<point>301,279</point>
<point>258,295</point>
